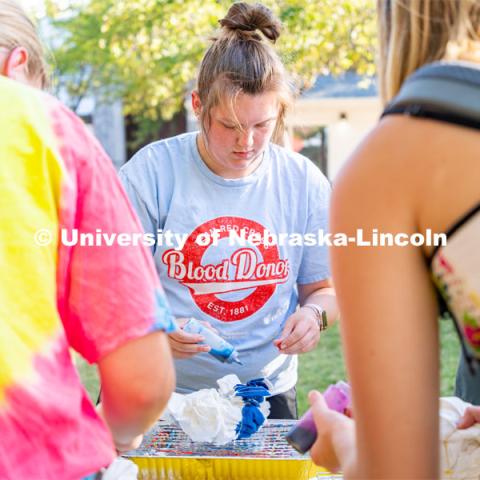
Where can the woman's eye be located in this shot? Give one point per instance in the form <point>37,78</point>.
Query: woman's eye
<point>229,127</point>
<point>264,125</point>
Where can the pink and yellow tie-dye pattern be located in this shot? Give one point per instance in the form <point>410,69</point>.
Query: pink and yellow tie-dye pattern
<point>54,175</point>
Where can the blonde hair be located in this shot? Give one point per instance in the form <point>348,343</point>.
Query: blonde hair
<point>17,30</point>
<point>415,32</point>
<point>241,59</point>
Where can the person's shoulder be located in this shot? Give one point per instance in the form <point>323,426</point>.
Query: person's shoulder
<point>160,155</point>
<point>297,164</point>
<point>390,169</point>
<point>162,150</point>
<point>34,104</point>
<point>53,124</point>
<point>18,94</point>
<point>287,157</point>
<point>395,152</point>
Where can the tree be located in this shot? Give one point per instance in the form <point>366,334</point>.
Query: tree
<point>147,51</point>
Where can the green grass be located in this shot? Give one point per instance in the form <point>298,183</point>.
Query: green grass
<point>325,365</point>
<point>88,374</point>
<point>320,367</point>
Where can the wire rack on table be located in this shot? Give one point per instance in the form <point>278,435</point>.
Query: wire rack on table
<point>168,453</point>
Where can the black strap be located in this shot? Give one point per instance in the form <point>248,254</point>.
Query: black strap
<point>443,91</point>
<point>425,111</point>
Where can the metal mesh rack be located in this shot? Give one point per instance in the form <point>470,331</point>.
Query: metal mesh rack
<point>168,453</point>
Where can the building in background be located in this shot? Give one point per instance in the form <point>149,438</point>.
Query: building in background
<point>329,120</point>
<point>109,127</point>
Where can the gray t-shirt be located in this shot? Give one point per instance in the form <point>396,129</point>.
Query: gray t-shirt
<point>220,252</point>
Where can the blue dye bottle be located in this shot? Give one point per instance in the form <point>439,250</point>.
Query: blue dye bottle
<point>219,348</point>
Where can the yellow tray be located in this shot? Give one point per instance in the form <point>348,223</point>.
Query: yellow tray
<point>168,454</point>
<point>227,469</point>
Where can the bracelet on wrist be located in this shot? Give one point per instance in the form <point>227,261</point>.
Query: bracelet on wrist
<point>320,315</point>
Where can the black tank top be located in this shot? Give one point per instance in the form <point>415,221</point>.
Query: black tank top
<point>450,92</point>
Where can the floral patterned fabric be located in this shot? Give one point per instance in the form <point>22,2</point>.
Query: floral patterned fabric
<point>456,273</point>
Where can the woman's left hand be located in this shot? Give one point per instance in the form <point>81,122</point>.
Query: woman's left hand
<point>300,334</point>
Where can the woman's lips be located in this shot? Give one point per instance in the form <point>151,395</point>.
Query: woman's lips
<point>244,155</point>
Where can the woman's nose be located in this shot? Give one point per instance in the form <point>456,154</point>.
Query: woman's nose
<point>245,138</point>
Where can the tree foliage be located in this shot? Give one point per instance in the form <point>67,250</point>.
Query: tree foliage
<point>147,51</point>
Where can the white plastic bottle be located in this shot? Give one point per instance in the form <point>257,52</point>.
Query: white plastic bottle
<point>219,348</point>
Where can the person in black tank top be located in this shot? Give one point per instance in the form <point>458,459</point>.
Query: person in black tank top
<point>427,94</point>
<point>417,171</point>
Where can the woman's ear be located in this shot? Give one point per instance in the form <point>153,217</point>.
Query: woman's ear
<point>15,65</point>
<point>196,103</point>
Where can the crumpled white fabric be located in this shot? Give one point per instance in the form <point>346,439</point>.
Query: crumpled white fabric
<point>459,449</point>
<point>208,415</point>
<point>226,385</point>
<point>121,469</point>
<point>265,409</point>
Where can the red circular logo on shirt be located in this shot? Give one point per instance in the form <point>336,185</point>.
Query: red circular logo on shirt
<point>252,266</point>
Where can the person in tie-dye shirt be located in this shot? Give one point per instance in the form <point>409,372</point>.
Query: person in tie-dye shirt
<point>105,302</point>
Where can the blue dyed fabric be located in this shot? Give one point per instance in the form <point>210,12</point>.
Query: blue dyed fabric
<point>253,394</point>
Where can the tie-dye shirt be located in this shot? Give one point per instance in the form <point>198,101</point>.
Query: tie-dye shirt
<point>54,176</point>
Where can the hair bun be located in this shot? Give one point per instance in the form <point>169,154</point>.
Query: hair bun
<point>244,17</point>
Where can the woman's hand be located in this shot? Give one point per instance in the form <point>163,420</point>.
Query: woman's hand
<point>186,345</point>
<point>335,435</point>
<point>300,334</point>
<point>470,417</point>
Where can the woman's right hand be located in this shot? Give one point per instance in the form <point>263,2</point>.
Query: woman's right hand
<point>186,345</point>
<point>335,443</point>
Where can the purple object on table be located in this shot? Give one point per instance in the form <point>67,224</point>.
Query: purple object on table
<point>303,435</point>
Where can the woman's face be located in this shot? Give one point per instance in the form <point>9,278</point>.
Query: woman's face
<point>236,140</point>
